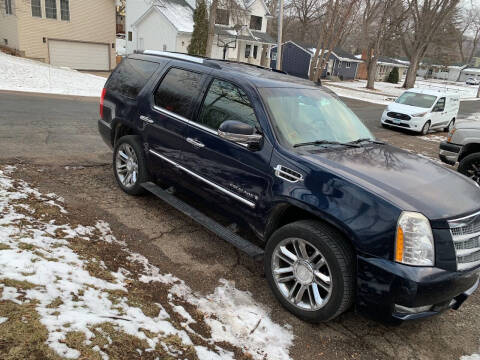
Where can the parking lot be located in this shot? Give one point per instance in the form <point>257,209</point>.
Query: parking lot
<point>54,143</point>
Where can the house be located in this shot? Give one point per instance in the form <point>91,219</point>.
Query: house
<point>296,61</point>
<point>75,34</point>
<point>384,66</point>
<point>441,72</point>
<point>240,31</point>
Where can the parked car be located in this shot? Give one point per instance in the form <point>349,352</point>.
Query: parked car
<point>339,218</point>
<point>463,146</point>
<point>472,81</point>
<point>422,110</point>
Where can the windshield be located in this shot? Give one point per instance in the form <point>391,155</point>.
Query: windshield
<point>418,100</point>
<point>309,115</point>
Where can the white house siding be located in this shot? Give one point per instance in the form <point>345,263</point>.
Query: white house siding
<point>133,10</point>
<point>257,9</point>
<point>155,32</point>
<point>9,27</point>
<point>183,40</point>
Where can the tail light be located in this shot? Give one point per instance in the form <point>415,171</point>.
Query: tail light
<point>102,99</point>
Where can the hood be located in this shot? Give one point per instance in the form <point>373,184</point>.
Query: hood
<point>468,124</point>
<point>406,109</point>
<point>406,180</point>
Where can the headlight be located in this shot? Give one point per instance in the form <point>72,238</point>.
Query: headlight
<point>414,240</point>
<point>450,134</point>
<point>420,114</point>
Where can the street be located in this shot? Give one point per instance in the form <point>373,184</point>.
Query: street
<point>54,142</point>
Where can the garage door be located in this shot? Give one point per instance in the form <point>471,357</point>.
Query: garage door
<point>78,55</point>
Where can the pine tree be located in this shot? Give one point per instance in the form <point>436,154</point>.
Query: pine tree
<point>393,77</point>
<point>198,45</point>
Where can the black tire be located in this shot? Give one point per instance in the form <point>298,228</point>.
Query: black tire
<point>451,123</point>
<point>470,167</point>
<point>426,128</point>
<point>340,259</point>
<point>385,126</point>
<point>142,174</point>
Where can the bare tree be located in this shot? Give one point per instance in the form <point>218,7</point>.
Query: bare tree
<point>211,26</point>
<point>379,19</point>
<point>337,14</point>
<point>305,12</point>
<point>468,31</point>
<point>425,18</point>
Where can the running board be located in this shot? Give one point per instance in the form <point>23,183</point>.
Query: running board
<point>218,229</point>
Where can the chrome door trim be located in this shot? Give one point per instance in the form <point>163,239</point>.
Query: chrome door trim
<point>195,143</point>
<point>185,120</point>
<point>218,187</point>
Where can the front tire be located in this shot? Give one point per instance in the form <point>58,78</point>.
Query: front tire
<point>426,128</point>
<point>129,165</point>
<point>470,167</point>
<point>310,269</point>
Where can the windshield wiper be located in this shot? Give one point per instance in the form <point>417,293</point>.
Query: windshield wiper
<point>325,142</point>
<point>367,139</point>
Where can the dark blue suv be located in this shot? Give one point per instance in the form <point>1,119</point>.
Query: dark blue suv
<point>338,217</point>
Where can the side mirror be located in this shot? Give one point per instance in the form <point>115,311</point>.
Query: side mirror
<point>240,132</point>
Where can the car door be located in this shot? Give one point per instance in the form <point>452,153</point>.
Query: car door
<point>232,175</point>
<point>166,117</point>
<point>438,113</point>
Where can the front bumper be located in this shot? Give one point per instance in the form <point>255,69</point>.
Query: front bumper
<point>449,152</point>
<point>393,292</point>
<point>414,124</point>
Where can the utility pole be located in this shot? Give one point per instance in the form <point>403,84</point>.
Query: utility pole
<point>280,26</point>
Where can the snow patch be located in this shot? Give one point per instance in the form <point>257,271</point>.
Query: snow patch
<point>20,74</point>
<point>60,276</point>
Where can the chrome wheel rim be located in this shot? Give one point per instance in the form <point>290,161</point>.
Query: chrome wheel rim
<point>473,172</point>
<point>301,274</point>
<point>126,165</point>
<point>426,128</point>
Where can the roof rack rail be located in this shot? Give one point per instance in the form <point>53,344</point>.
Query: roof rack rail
<point>253,65</point>
<point>181,56</point>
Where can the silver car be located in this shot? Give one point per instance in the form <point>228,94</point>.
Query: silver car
<point>472,81</point>
<point>463,146</point>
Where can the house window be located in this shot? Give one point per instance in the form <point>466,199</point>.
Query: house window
<point>51,9</point>
<point>130,36</point>
<point>248,49</point>
<point>255,50</point>
<point>222,17</point>
<point>65,10</point>
<point>36,8</point>
<point>255,22</point>
<point>8,7</point>
<point>347,65</point>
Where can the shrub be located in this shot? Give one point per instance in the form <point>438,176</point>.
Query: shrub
<point>393,77</point>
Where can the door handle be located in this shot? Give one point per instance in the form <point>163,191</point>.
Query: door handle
<point>146,119</point>
<point>195,143</point>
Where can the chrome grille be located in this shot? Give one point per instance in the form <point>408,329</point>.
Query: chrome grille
<point>466,238</point>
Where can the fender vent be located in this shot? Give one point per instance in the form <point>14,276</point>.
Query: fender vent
<point>287,174</point>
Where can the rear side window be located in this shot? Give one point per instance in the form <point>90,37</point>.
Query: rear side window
<point>130,77</point>
<point>178,91</point>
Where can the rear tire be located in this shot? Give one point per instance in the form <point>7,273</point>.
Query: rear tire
<point>470,167</point>
<point>129,165</point>
<point>310,269</point>
<point>426,128</point>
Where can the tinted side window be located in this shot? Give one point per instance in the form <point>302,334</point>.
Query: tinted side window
<point>440,104</point>
<point>225,101</point>
<point>131,76</point>
<point>178,90</point>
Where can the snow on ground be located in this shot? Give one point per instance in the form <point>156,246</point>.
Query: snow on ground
<point>471,357</point>
<point>385,92</point>
<point>20,74</point>
<point>120,45</point>
<point>37,251</point>
<point>433,138</point>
